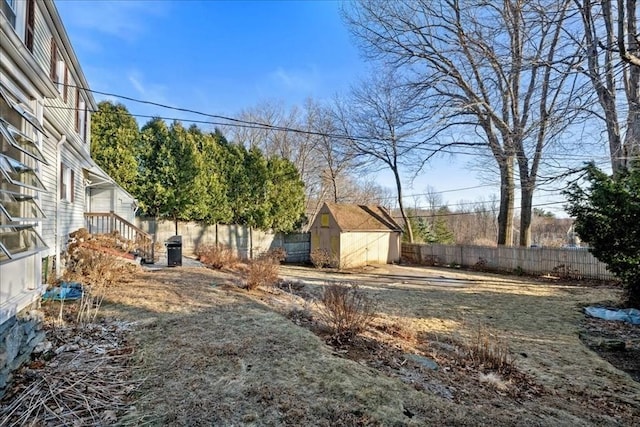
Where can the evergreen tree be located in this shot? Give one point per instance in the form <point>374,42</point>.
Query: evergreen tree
<point>169,168</point>
<point>114,134</point>
<point>286,195</point>
<point>212,205</point>
<point>606,216</point>
<point>441,231</point>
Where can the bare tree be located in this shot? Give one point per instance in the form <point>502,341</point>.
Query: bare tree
<point>379,118</point>
<point>610,34</point>
<point>497,70</point>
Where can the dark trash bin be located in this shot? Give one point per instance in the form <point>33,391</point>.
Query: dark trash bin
<point>174,251</point>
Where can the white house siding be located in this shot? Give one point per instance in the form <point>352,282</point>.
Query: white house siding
<point>111,199</point>
<point>20,285</point>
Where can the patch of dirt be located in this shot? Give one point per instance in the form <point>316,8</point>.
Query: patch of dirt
<point>616,342</point>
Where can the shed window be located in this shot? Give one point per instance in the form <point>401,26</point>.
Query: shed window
<point>324,220</point>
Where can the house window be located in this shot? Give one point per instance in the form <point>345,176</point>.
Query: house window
<point>67,183</point>
<point>20,141</point>
<point>19,157</point>
<point>9,10</point>
<point>21,110</point>
<point>54,67</point>
<point>19,240</point>
<point>30,25</point>
<point>65,93</point>
<point>61,76</point>
<point>19,207</point>
<point>81,116</point>
<point>19,174</point>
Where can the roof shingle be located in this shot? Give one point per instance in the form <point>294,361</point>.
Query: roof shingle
<point>362,218</point>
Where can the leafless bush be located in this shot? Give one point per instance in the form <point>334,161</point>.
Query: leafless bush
<point>480,265</point>
<point>320,258</point>
<point>97,271</point>
<point>566,272</point>
<point>431,260</point>
<point>216,256</point>
<point>278,254</point>
<point>488,351</point>
<point>346,309</point>
<point>262,272</point>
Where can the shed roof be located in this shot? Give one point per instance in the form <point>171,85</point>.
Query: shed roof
<point>362,217</point>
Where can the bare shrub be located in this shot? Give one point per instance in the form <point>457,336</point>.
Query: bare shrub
<point>216,256</point>
<point>320,258</point>
<point>488,351</point>
<point>566,272</point>
<point>346,310</point>
<point>97,271</point>
<point>431,260</point>
<point>480,265</point>
<point>278,254</point>
<point>261,272</point>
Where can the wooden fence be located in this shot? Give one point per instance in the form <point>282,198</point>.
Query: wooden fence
<point>246,242</point>
<point>570,263</point>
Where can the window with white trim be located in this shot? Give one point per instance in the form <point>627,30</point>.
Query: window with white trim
<point>81,115</point>
<point>67,183</point>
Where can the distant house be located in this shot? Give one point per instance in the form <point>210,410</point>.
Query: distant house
<point>46,170</point>
<point>356,235</point>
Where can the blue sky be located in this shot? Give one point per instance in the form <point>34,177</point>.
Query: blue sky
<point>220,57</point>
<point>213,56</point>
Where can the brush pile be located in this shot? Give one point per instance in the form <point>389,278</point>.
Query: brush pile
<point>80,376</point>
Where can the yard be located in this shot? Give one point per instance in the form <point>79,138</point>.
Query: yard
<point>206,352</point>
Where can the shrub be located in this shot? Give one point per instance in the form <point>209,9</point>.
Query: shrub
<point>278,253</point>
<point>346,310</point>
<point>97,272</point>
<point>485,349</point>
<point>262,272</point>
<point>320,258</point>
<point>216,256</point>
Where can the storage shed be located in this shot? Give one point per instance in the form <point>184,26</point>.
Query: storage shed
<point>356,235</point>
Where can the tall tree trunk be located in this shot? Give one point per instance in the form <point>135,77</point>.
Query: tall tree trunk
<point>507,198</point>
<point>407,225</point>
<point>526,215</point>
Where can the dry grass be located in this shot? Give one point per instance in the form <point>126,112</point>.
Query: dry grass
<point>213,354</point>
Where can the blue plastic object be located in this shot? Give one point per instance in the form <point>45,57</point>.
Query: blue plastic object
<point>629,315</point>
<point>67,291</point>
